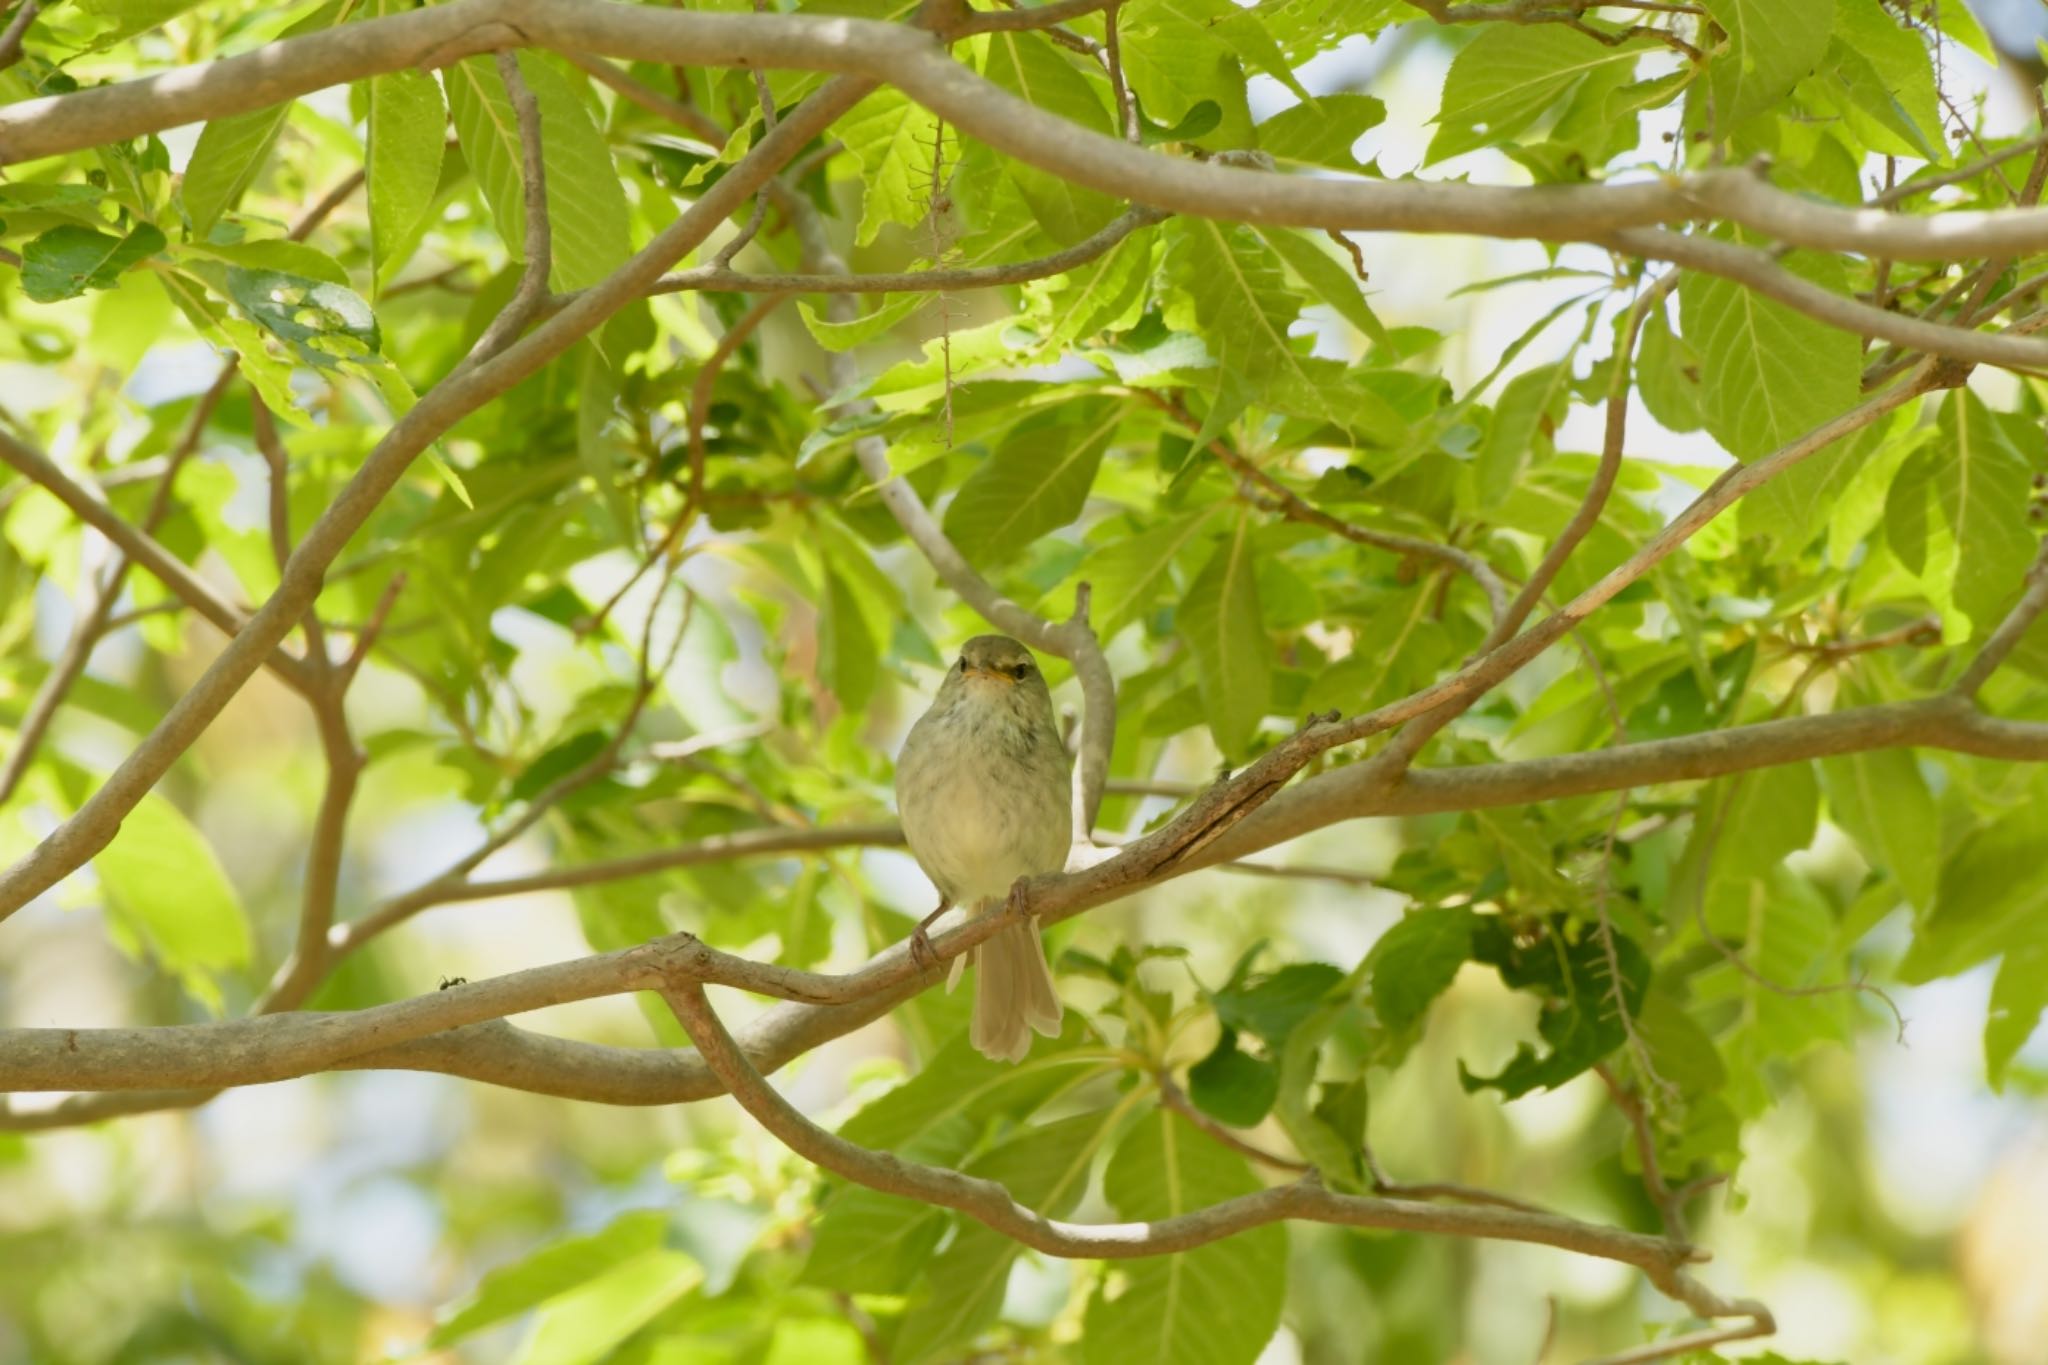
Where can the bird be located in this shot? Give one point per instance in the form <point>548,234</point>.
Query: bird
<point>982,788</point>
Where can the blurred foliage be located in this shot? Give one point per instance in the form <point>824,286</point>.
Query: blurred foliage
<point>1702,941</point>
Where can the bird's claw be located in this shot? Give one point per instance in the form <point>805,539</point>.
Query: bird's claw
<point>923,956</point>
<point>1017,905</point>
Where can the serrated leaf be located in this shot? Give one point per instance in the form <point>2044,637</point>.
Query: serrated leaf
<point>1770,373</point>
<point>1225,631</point>
<point>1322,132</point>
<point>893,139</point>
<point>67,261</point>
<point>1215,1305</point>
<point>1772,46</point>
<point>1981,485</point>
<point>1031,68</point>
<point>407,136</point>
<point>1510,75</point>
<point>1580,1022</point>
<point>587,212</point>
<point>1091,297</point>
<point>1036,481</point>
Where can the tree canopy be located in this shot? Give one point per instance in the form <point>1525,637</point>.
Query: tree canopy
<point>1539,503</point>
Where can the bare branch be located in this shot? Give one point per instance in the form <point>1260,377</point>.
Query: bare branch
<point>531,294</point>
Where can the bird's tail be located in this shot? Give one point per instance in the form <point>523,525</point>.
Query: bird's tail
<point>1013,995</point>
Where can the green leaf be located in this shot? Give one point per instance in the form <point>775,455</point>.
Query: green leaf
<point>844,336</point>
<point>1771,374</point>
<point>1220,620</point>
<point>162,879</point>
<point>1772,46</point>
<point>1215,1305</point>
<point>1525,417</point>
<point>1981,484</point>
<point>1510,75</point>
<point>278,254</point>
<point>1036,481</point>
<point>1178,65</point>
<point>1850,83</point>
<point>892,138</point>
<point>1045,1168</point>
<point>1331,279</point>
<point>1132,575</point>
<point>407,133</point>
<point>1881,800</point>
<point>1796,506</point>
<point>587,212</point>
<point>1993,898</point>
<point>585,1324</point>
<point>66,261</point>
<point>224,163</point>
<point>847,656</point>
<point>1667,374</point>
<point>231,150</point>
<point>1031,68</point>
<point>2019,995</point>
<point>1274,1005</point>
<point>324,323</point>
<point>1322,132</point>
<point>512,1289</point>
<point>1093,297</point>
<point>1233,1085</point>
<point>1568,967</point>
<point>1415,961</point>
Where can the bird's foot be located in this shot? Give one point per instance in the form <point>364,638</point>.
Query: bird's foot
<point>1017,905</point>
<point>922,955</point>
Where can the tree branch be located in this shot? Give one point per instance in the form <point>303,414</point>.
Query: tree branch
<point>2033,601</point>
<point>95,612</point>
<point>918,65</point>
<point>138,547</point>
<point>990,1203</point>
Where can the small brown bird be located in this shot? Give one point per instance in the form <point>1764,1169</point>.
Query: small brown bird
<point>982,787</point>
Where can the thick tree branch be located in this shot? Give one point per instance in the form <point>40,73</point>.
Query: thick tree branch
<point>239,1052</point>
<point>919,65</point>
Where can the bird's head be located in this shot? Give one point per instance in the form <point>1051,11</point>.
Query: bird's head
<point>994,670</point>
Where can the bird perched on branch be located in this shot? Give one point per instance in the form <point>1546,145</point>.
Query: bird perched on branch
<point>982,787</point>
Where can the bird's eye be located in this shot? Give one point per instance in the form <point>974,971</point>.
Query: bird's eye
<point>961,663</point>
<point>1020,671</point>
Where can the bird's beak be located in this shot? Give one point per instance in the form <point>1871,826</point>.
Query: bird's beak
<point>993,674</point>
